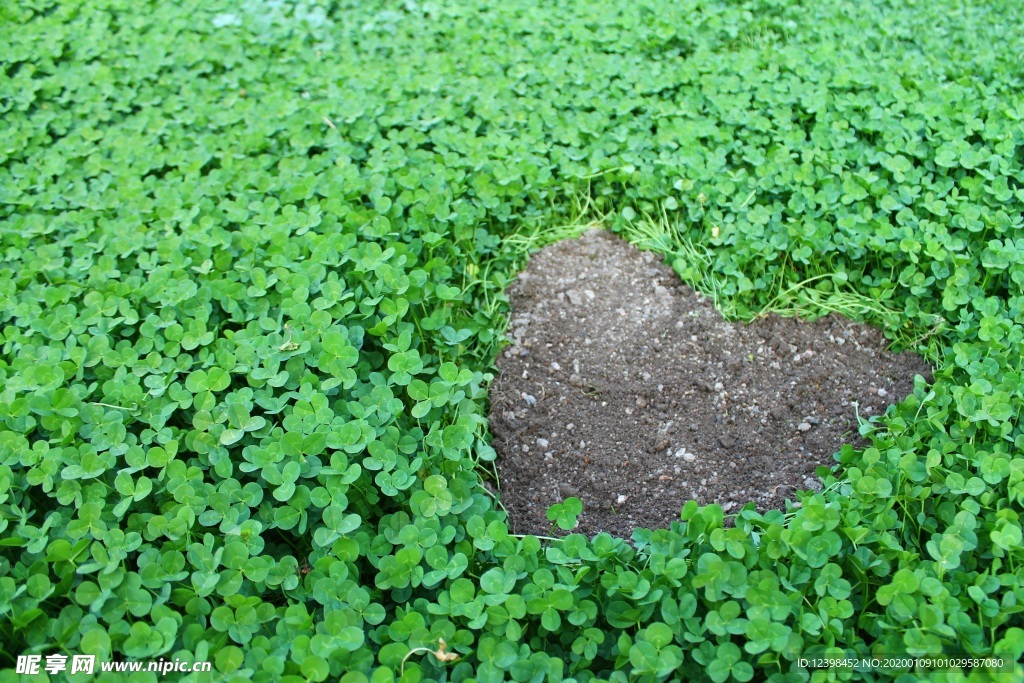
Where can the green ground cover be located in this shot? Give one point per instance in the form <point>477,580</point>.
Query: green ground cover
<point>252,257</point>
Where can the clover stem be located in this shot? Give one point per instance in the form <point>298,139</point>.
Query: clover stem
<point>543,538</point>
<point>107,405</point>
<point>411,653</point>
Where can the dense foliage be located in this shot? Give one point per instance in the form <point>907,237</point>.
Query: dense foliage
<point>251,264</point>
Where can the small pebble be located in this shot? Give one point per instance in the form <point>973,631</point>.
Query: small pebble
<point>620,500</point>
<point>719,386</point>
<point>570,426</point>
<point>556,366</point>
<point>543,443</point>
<point>883,393</point>
<point>803,427</point>
<point>530,400</point>
<point>685,455</point>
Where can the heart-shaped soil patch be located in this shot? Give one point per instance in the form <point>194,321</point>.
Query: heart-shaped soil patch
<point>628,390</point>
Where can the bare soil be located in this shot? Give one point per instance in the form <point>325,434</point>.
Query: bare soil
<point>627,389</point>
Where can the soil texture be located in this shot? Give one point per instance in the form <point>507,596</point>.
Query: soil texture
<point>627,389</point>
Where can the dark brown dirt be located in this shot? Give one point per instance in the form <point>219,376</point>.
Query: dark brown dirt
<point>625,388</point>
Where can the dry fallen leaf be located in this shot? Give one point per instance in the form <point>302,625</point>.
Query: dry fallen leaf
<point>441,653</point>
